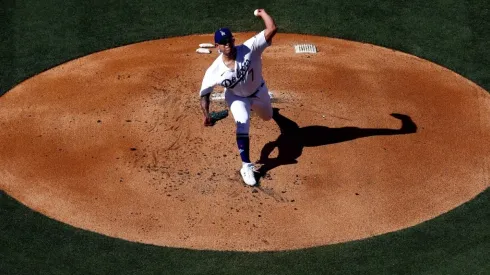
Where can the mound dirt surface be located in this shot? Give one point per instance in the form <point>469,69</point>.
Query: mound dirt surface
<point>113,142</point>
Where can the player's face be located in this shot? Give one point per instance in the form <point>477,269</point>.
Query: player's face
<point>226,46</point>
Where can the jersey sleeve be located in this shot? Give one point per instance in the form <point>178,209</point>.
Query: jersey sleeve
<point>208,83</point>
<point>258,42</point>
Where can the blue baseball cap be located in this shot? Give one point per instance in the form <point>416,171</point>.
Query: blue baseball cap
<point>222,36</point>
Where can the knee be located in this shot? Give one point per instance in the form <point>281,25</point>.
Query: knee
<point>267,117</point>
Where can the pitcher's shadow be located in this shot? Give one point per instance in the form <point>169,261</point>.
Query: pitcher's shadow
<point>293,139</point>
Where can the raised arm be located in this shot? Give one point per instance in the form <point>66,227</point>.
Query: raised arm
<point>270,25</point>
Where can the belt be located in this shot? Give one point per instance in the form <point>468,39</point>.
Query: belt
<point>256,91</point>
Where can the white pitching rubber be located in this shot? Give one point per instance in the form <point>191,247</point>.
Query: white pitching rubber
<point>220,96</point>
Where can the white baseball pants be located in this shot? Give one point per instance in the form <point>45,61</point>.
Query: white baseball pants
<point>240,108</point>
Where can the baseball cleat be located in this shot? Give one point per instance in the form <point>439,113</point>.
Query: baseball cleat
<point>248,175</point>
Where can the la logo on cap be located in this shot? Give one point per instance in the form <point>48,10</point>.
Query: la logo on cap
<point>222,33</point>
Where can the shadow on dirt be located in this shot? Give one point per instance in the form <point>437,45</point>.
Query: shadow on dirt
<point>293,139</point>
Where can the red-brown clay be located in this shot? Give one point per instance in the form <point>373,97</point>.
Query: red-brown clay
<point>113,142</point>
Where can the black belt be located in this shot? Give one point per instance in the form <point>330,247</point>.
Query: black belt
<point>258,89</point>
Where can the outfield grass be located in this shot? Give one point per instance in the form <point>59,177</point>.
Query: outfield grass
<point>37,35</point>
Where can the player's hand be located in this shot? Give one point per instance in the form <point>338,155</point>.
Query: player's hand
<point>208,121</point>
<point>259,12</point>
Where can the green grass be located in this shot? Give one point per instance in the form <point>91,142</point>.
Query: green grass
<point>37,35</point>
<point>454,243</point>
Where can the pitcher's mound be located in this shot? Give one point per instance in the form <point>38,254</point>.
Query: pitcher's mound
<point>366,141</point>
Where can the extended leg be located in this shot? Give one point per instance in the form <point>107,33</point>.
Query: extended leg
<point>241,114</point>
<point>240,109</point>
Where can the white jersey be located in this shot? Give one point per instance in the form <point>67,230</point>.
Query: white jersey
<point>246,77</point>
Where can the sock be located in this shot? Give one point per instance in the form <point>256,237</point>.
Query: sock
<point>243,142</point>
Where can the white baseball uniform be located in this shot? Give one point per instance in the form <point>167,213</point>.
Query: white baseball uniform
<point>244,85</point>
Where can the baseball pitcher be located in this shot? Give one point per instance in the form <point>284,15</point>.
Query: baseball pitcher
<point>239,70</point>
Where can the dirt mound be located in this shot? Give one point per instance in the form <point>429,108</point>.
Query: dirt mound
<point>367,141</point>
